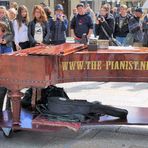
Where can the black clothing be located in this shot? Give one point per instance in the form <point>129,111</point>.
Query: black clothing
<point>108,25</point>
<point>81,24</point>
<point>31,32</point>
<point>121,26</point>
<point>24,45</point>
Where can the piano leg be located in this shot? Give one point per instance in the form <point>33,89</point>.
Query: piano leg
<point>15,96</point>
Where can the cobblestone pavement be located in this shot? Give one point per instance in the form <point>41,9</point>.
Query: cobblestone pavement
<point>130,94</point>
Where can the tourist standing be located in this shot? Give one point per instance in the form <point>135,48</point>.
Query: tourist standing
<point>21,28</point>
<point>38,30</point>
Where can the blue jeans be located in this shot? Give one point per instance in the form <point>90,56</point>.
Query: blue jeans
<point>5,49</point>
<point>121,40</point>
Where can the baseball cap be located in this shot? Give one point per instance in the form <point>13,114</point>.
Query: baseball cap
<point>139,10</point>
<point>59,7</point>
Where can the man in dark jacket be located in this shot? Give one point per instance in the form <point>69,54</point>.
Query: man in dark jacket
<point>135,28</point>
<point>145,29</point>
<point>105,23</point>
<point>81,24</point>
<point>121,24</point>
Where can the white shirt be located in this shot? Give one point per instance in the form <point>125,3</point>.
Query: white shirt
<point>21,33</point>
<point>38,34</point>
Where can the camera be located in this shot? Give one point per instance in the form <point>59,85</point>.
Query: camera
<point>100,18</point>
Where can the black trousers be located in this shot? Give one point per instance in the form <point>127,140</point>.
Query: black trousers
<point>58,42</point>
<point>24,45</point>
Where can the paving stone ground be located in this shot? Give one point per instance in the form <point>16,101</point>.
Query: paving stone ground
<point>129,94</point>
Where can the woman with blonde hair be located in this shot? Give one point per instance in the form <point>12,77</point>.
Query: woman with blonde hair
<point>12,14</point>
<point>38,30</point>
<point>21,28</point>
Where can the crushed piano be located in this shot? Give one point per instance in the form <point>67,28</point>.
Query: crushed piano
<point>41,66</point>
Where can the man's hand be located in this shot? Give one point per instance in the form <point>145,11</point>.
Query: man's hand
<point>89,33</point>
<point>102,19</point>
<point>61,18</point>
<point>73,34</point>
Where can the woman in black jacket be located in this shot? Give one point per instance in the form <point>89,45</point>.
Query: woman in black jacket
<point>38,30</point>
<point>105,23</point>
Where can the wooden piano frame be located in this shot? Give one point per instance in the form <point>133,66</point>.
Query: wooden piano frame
<point>39,67</point>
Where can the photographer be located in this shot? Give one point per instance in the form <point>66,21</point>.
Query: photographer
<point>58,26</point>
<point>105,22</point>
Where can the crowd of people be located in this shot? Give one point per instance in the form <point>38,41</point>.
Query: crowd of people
<point>18,32</point>
<point>125,25</point>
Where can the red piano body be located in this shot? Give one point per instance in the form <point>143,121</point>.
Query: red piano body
<point>41,66</point>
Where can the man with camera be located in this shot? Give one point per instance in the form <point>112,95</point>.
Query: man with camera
<point>105,23</point>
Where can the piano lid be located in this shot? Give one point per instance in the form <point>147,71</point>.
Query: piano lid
<point>63,49</point>
<point>69,48</point>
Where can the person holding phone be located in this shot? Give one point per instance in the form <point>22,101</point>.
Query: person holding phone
<point>58,26</point>
<point>105,23</point>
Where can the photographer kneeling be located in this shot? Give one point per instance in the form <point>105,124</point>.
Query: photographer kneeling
<point>105,23</point>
